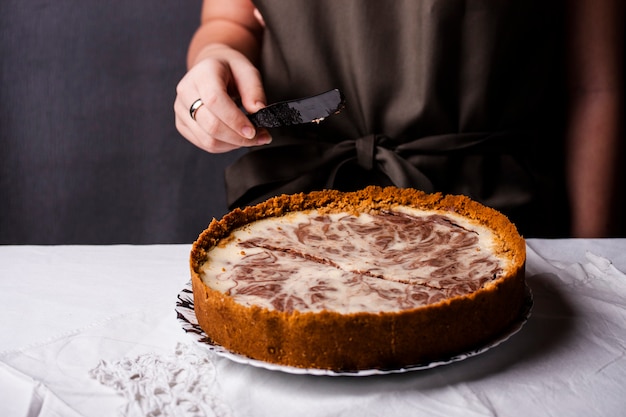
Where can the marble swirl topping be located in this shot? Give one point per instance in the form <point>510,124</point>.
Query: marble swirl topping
<point>386,261</point>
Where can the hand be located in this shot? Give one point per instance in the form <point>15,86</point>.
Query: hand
<point>220,126</point>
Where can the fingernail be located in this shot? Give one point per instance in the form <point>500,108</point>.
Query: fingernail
<point>248,132</point>
<point>263,138</point>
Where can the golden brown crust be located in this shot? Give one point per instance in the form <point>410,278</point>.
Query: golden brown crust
<point>330,340</point>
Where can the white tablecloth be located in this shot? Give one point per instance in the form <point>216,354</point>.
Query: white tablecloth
<point>91,331</point>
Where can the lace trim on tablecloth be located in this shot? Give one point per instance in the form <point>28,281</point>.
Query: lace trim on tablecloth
<point>178,385</point>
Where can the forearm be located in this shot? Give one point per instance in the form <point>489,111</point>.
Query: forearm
<point>229,22</point>
<point>594,148</point>
<point>594,162</point>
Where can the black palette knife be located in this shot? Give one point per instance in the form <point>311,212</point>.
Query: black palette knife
<point>312,109</point>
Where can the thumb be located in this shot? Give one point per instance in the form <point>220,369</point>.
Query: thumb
<point>250,88</point>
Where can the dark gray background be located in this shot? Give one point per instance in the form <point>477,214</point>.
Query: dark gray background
<point>89,152</point>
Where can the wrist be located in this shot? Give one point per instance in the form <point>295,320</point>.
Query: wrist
<point>208,51</point>
<point>224,34</point>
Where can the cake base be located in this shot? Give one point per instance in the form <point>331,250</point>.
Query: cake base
<point>189,322</point>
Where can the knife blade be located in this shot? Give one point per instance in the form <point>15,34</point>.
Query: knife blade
<point>311,109</point>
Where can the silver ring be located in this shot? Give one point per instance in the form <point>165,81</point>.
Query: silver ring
<point>194,108</point>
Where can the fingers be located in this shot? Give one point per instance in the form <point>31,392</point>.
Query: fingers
<point>210,133</point>
<point>219,125</point>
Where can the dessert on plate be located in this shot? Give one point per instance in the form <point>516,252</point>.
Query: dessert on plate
<point>381,278</point>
